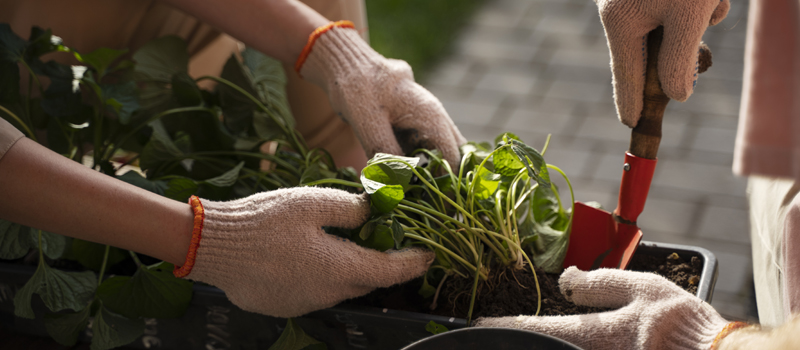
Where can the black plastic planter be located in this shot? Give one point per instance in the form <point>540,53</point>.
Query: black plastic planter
<point>478,338</point>
<point>212,322</point>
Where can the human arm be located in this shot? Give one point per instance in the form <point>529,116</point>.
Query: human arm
<point>650,313</point>
<point>268,251</point>
<point>47,191</point>
<point>378,97</point>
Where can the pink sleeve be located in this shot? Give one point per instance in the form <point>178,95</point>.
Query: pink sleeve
<point>8,136</point>
<point>791,259</point>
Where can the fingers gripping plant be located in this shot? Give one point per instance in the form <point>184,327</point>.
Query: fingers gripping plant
<point>498,210</point>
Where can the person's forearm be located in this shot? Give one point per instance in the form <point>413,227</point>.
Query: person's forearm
<point>44,190</point>
<point>278,28</point>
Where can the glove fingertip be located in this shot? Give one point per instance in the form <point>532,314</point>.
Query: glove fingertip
<point>569,280</point>
<point>720,12</point>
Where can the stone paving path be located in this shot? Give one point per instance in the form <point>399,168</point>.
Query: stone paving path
<point>538,67</point>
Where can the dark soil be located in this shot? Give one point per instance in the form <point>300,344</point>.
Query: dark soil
<point>513,292</point>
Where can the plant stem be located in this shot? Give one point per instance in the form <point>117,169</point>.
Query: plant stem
<point>472,297</point>
<point>103,265</point>
<point>438,289</point>
<point>28,131</point>
<point>448,251</point>
<point>333,181</point>
<point>135,258</point>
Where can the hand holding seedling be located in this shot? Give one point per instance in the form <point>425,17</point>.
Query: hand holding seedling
<point>651,313</point>
<point>269,254</point>
<point>627,23</point>
<point>389,112</point>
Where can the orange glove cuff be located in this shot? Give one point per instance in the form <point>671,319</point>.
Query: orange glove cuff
<point>313,38</point>
<point>199,217</point>
<point>730,327</point>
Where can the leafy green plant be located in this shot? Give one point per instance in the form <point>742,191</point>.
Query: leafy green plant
<point>111,111</point>
<point>497,210</point>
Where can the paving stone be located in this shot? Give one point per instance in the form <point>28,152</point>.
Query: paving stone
<point>699,177</point>
<point>733,270</point>
<point>579,91</point>
<point>511,83</point>
<point>465,112</point>
<point>714,139</point>
<point>725,224</point>
<point>667,216</point>
<point>532,120</point>
<point>488,50</point>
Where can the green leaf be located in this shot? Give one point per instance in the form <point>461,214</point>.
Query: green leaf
<point>111,330</point>
<point>185,90</point>
<point>269,81</point>
<point>156,63</point>
<point>41,42</point>
<point>58,289</point>
<point>65,328</point>
<point>390,169</point>
<point>533,161</point>
<point>505,137</point>
<point>550,248</point>
<point>9,83</point>
<point>152,292</point>
<point>397,233</point>
<point>12,47</point>
<point>136,179</point>
<point>14,241</point>
<point>159,59</point>
<point>161,148</point>
<point>486,183</point>
<point>100,59</point>
<point>228,178</point>
<point>180,189</point>
<point>237,108</point>
<point>293,338</point>
<point>90,254</point>
<point>427,290</point>
<point>384,198</point>
<point>435,328</point>
<point>506,162</point>
<point>123,99</point>
<point>53,245</point>
<point>62,99</point>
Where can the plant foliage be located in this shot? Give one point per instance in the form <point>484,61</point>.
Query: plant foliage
<point>117,108</point>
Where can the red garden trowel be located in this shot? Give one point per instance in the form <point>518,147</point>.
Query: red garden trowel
<point>602,239</point>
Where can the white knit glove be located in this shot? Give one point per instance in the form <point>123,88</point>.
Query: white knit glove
<point>269,254</point>
<point>627,23</point>
<point>389,112</point>
<point>652,313</point>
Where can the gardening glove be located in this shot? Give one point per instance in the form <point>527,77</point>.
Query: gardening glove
<point>652,313</point>
<point>627,22</point>
<point>269,254</point>
<point>389,112</point>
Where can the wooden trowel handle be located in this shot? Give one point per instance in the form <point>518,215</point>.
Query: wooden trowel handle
<point>646,136</point>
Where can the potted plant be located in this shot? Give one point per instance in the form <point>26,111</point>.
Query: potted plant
<point>497,212</point>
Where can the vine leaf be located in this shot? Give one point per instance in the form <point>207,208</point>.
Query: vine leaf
<point>65,328</point>
<point>14,242</point>
<point>152,292</point>
<point>293,338</point>
<point>58,289</point>
<point>112,330</point>
<point>228,178</point>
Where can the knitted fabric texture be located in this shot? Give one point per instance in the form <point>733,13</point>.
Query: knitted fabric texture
<point>627,23</point>
<point>389,112</point>
<point>651,313</point>
<point>313,38</point>
<point>269,254</point>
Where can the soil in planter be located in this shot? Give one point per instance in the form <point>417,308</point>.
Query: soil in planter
<point>513,292</point>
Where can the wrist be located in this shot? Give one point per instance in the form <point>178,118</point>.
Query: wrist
<point>190,245</point>
<point>727,330</point>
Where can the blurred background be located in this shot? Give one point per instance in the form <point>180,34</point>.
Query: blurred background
<point>539,67</point>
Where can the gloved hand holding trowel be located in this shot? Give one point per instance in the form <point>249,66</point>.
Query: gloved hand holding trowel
<point>651,312</point>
